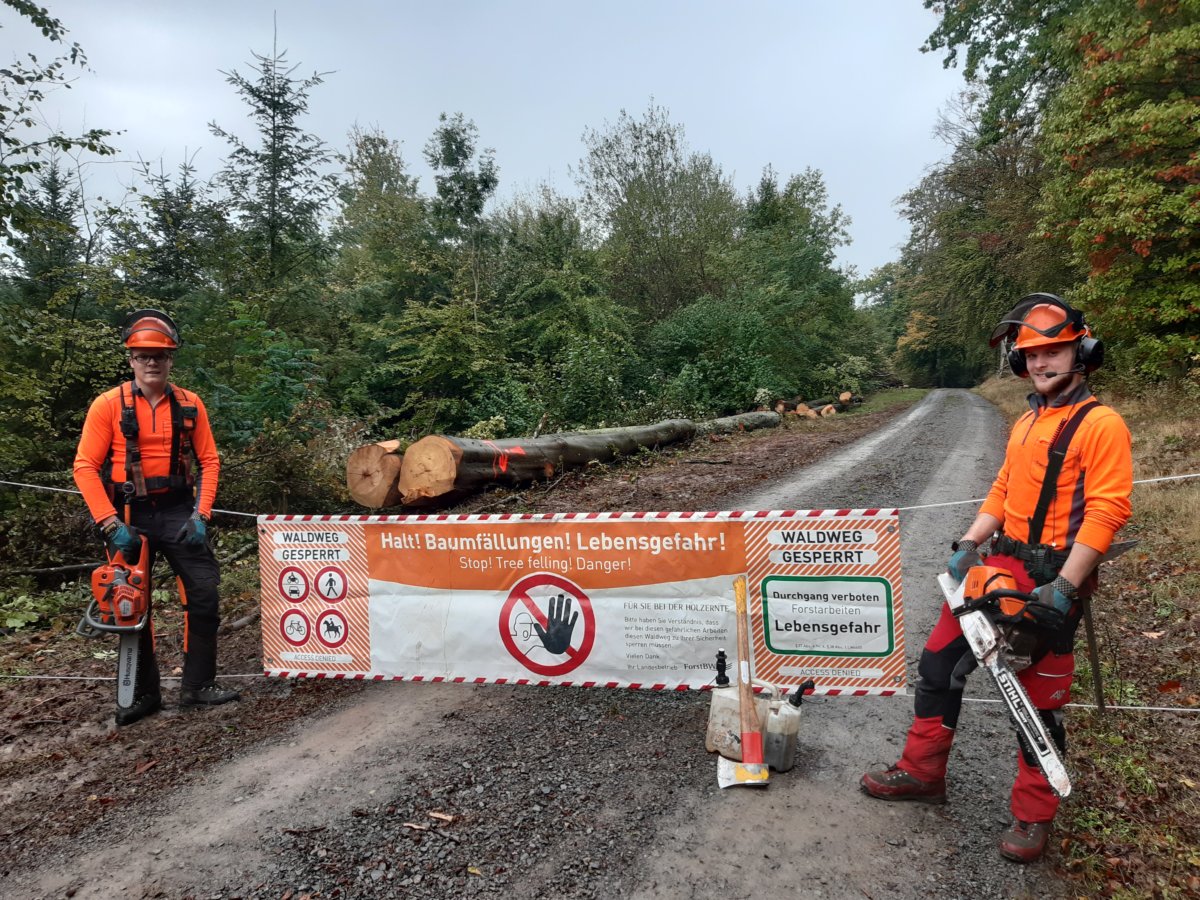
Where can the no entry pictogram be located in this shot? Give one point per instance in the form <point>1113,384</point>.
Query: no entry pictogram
<point>293,585</point>
<point>530,603</point>
<point>331,584</point>
<point>332,628</point>
<point>294,627</point>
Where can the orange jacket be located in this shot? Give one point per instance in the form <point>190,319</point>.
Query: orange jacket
<point>102,433</point>
<point>1092,499</point>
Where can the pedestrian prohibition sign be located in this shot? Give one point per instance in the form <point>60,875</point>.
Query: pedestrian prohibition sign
<point>331,584</point>
<point>566,618</point>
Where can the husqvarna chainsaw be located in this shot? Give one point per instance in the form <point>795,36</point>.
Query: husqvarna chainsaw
<point>120,605</point>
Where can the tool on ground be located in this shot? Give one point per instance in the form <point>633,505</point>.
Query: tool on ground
<point>751,771</point>
<point>120,605</point>
<point>990,647</point>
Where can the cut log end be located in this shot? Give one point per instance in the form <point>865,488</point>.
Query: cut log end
<point>372,472</point>
<point>430,469</point>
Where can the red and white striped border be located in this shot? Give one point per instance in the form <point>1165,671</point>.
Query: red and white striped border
<point>626,685</point>
<point>724,516</point>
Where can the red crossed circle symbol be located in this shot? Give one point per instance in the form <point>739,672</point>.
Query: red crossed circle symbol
<point>520,601</point>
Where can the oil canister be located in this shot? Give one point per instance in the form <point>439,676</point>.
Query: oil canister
<point>780,735</point>
<point>724,734</point>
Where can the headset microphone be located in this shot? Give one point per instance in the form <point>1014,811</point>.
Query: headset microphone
<point>1077,370</point>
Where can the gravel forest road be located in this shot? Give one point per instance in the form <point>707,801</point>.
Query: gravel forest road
<point>438,791</point>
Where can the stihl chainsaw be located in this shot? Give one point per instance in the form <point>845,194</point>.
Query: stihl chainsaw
<point>120,605</point>
<point>991,649</point>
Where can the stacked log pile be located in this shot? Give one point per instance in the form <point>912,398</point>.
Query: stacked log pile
<point>816,409</point>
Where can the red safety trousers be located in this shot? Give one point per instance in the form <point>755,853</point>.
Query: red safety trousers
<point>938,702</point>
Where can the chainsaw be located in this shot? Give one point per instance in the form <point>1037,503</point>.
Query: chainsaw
<point>988,589</point>
<point>120,605</point>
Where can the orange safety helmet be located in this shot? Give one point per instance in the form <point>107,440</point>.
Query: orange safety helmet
<point>1039,320</point>
<point>150,328</point>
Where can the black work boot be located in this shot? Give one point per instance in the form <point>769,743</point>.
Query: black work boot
<point>210,694</point>
<point>144,704</point>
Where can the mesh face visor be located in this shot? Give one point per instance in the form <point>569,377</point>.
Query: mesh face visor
<point>1009,327</point>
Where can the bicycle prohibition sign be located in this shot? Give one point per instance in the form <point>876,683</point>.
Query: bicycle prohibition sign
<point>295,627</point>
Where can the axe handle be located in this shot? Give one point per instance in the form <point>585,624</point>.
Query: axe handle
<point>752,751</point>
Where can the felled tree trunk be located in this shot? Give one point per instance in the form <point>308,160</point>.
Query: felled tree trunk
<point>744,422</point>
<point>372,472</point>
<point>438,468</point>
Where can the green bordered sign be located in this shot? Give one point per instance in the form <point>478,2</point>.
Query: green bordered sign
<point>843,616</point>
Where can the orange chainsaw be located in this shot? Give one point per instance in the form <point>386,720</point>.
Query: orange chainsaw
<point>120,605</point>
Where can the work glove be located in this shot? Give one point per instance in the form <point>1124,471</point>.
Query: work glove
<point>1054,602</point>
<point>121,538</point>
<point>966,555</point>
<point>194,531</point>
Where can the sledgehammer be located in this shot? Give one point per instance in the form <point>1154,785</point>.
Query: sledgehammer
<point>751,771</point>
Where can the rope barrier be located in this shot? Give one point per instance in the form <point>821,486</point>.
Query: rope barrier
<point>1169,709</point>
<point>105,677</point>
<point>905,693</point>
<point>981,499</point>
<point>232,512</point>
<point>42,487</point>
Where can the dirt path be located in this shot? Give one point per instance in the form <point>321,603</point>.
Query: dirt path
<point>445,791</point>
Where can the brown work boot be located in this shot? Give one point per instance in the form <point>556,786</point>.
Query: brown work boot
<point>1024,842</point>
<point>893,783</point>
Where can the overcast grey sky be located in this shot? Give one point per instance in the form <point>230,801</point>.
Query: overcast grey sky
<point>838,86</point>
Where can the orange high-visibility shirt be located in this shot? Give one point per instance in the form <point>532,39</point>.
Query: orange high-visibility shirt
<point>1092,499</point>
<point>102,432</point>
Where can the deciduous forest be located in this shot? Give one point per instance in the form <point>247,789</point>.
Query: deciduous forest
<point>325,296</point>
<point>328,297</point>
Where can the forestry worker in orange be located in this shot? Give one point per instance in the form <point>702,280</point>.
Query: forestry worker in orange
<point>1050,533</point>
<point>134,468</point>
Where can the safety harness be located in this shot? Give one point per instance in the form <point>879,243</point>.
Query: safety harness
<point>179,478</point>
<point>1043,561</point>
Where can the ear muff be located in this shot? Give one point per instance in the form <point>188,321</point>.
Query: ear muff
<point>1016,362</point>
<point>1089,353</point>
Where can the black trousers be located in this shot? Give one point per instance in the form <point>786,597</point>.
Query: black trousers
<point>199,579</point>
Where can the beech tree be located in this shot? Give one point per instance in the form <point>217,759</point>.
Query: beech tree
<point>667,216</point>
<point>1125,135</point>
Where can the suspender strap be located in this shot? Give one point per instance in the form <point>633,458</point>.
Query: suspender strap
<point>176,434</point>
<point>1054,464</point>
<point>178,478</point>
<point>133,452</point>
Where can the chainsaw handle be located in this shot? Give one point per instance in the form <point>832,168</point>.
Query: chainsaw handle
<point>991,601</point>
<point>94,620</point>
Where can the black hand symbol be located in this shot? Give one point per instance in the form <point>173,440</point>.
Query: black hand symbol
<point>556,637</point>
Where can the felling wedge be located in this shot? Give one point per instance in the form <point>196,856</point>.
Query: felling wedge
<point>752,771</point>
